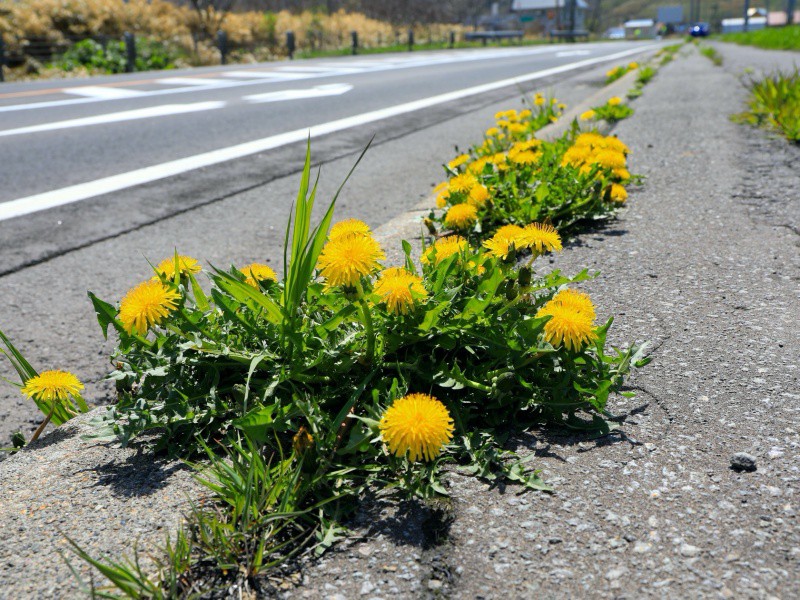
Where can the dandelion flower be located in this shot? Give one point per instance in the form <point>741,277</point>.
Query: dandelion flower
<point>492,131</point>
<point>461,216</point>
<point>444,248</point>
<point>476,167</point>
<point>566,326</point>
<point>526,157</point>
<point>346,259</point>
<point>398,289</point>
<point>417,426</point>
<point>614,143</point>
<point>587,115</point>
<point>442,198</point>
<point>458,161</point>
<point>462,184</point>
<point>186,264</point>
<point>614,101</point>
<point>478,195</point>
<point>609,159</point>
<point>525,113</point>
<point>618,193</point>
<point>256,272</point>
<point>538,100</point>
<point>52,386</point>
<point>577,301</point>
<point>500,243</point>
<point>633,65</point>
<point>621,174</point>
<point>349,227</point>
<point>147,304</point>
<point>540,238</point>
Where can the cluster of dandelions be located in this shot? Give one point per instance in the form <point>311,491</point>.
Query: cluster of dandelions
<point>617,72</point>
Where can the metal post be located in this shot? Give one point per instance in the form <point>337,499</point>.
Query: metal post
<point>354,40</point>
<point>2,57</point>
<point>746,15</point>
<point>290,47</point>
<point>790,7</point>
<point>130,52</point>
<point>222,45</point>
<point>452,39</point>
<point>410,40</point>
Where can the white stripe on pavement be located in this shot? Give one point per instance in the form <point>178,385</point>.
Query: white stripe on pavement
<point>103,93</point>
<point>191,81</point>
<point>107,185</point>
<point>333,89</point>
<point>127,115</point>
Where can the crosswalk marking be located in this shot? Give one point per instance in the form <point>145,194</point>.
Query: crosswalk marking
<point>186,81</point>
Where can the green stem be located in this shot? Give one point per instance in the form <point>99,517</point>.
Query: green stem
<point>368,324</point>
<point>41,427</point>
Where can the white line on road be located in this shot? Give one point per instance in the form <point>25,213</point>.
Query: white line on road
<point>572,53</point>
<point>107,185</point>
<point>198,81</point>
<point>127,115</point>
<point>333,89</point>
<point>104,93</point>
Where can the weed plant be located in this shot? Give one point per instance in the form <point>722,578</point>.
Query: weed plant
<point>772,38</point>
<point>774,103</point>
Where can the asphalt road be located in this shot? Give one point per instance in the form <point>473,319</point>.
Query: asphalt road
<point>84,160</point>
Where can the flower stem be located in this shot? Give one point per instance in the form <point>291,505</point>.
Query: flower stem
<point>41,427</point>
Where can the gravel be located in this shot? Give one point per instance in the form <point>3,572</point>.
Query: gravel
<point>742,461</point>
<point>698,264</point>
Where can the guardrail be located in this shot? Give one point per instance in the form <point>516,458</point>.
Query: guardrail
<point>485,36</point>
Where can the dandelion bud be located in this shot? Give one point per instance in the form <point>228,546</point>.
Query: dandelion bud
<point>524,277</point>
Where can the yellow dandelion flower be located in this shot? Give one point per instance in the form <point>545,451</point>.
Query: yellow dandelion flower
<point>501,242</point>
<point>256,272</point>
<point>146,305</point>
<point>618,193</point>
<point>539,100</point>
<point>442,198</point>
<point>461,216</point>
<point>52,386</point>
<point>566,326</point>
<point>575,156</point>
<point>492,131</point>
<point>633,65</point>
<point>614,101</point>
<point>345,260</point>
<point>531,144</point>
<point>186,264</point>
<point>587,115</point>
<point>503,123</point>
<point>516,128</point>
<point>609,159</point>
<point>540,238</point>
<point>444,248</point>
<point>561,106</point>
<point>621,174</point>
<point>614,143</point>
<point>577,301</point>
<point>399,288</point>
<point>476,166</point>
<point>589,139</point>
<point>417,426</point>
<point>458,161</point>
<point>348,227</point>
<point>462,184</point>
<point>526,157</point>
<point>478,195</point>
<point>525,113</point>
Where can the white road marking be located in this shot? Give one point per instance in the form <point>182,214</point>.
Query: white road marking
<point>198,81</point>
<point>572,53</point>
<point>333,89</point>
<point>107,185</point>
<point>383,64</point>
<point>128,115</point>
<point>104,93</point>
<point>266,75</point>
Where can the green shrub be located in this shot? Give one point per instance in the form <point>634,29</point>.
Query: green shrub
<point>150,55</point>
<point>775,104</point>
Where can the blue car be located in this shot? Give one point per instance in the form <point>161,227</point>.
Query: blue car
<point>699,30</point>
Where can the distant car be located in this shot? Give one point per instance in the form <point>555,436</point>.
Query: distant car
<point>699,30</point>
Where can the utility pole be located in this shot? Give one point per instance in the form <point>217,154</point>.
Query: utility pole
<point>746,14</point>
<point>790,5</point>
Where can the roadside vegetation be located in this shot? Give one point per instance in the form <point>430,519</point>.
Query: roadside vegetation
<point>294,397</point>
<point>774,104</point>
<point>38,33</point>
<point>620,71</point>
<point>711,54</point>
<point>772,38</point>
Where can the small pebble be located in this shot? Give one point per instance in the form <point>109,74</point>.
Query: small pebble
<point>742,461</point>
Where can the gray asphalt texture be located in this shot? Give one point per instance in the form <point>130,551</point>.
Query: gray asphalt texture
<point>704,263</point>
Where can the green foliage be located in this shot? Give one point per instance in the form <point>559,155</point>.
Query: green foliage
<point>711,53</point>
<point>775,104</point>
<point>613,111</point>
<point>645,75</point>
<point>150,55</point>
<point>773,38</point>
